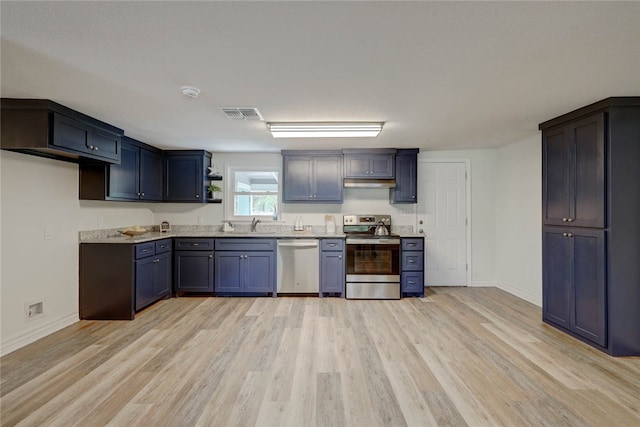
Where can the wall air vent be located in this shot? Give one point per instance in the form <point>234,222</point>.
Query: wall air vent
<point>242,113</point>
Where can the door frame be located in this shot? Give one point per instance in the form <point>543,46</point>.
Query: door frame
<point>467,170</point>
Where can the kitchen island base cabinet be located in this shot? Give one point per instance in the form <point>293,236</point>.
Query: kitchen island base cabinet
<point>193,266</point>
<point>118,279</point>
<point>332,269</point>
<point>245,267</point>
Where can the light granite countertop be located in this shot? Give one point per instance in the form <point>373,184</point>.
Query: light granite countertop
<point>317,232</point>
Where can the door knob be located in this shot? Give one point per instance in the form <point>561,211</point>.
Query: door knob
<point>421,222</point>
<point>421,231</point>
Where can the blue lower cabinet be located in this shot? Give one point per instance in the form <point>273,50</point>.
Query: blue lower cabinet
<point>193,271</point>
<point>249,270</point>
<point>332,267</point>
<point>412,267</point>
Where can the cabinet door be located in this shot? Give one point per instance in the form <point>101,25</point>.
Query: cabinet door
<point>144,282</point>
<point>382,166</point>
<point>193,271</point>
<point>105,144</point>
<point>406,189</point>
<point>332,272</point>
<point>588,198</point>
<point>150,175</point>
<point>589,290</point>
<point>556,176</point>
<point>228,271</point>
<point>161,275</point>
<point>259,272</point>
<point>183,179</point>
<point>298,175</point>
<point>357,165</point>
<point>123,178</point>
<point>327,177</point>
<point>556,276</point>
<point>72,134</point>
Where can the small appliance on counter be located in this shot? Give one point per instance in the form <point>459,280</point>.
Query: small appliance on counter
<point>330,224</point>
<point>373,257</point>
<point>165,227</point>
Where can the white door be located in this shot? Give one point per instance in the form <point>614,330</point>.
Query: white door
<point>442,216</point>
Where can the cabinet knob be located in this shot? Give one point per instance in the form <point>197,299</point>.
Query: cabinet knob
<point>421,222</point>
<point>339,256</point>
<point>142,194</point>
<point>565,219</point>
<point>421,231</point>
<point>570,220</point>
<point>197,196</point>
<point>569,234</point>
<point>210,256</point>
<point>97,148</point>
<point>413,197</point>
<point>91,147</point>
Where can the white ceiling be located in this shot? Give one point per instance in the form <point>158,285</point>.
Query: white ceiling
<point>440,74</point>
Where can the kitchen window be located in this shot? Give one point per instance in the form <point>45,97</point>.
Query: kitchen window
<point>255,193</point>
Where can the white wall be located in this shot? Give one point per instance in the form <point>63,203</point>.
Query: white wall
<point>518,218</point>
<point>39,193</point>
<point>483,209</point>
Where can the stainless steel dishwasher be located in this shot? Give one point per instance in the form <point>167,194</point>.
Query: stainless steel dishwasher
<point>298,266</point>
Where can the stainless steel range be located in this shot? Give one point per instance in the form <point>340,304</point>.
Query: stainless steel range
<point>373,257</point>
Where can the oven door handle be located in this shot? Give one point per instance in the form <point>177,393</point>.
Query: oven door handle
<point>357,241</point>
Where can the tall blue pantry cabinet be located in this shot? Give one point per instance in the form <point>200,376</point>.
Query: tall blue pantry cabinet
<point>591,224</point>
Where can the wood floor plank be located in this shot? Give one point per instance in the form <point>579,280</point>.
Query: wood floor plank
<point>458,357</point>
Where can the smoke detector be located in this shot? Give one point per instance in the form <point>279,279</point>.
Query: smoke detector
<point>242,113</point>
<point>190,91</point>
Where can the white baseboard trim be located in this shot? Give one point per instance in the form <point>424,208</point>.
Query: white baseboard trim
<point>533,299</point>
<point>41,331</point>
<point>482,284</point>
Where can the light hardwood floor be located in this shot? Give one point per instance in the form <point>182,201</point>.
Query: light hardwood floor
<point>460,356</point>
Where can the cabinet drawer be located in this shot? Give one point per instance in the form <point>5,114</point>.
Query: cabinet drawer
<point>412,261</point>
<point>412,282</point>
<point>251,244</point>
<point>412,244</point>
<point>332,244</point>
<point>163,246</point>
<point>145,249</point>
<point>194,244</point>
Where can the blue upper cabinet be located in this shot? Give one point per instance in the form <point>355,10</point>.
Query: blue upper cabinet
<point>185,177</point>
<point>406,189</point>
<point>312,176</point>
<point>573,173</point>
<point>369,163</point>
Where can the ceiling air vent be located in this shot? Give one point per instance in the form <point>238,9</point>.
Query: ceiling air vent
<point>242,113</point>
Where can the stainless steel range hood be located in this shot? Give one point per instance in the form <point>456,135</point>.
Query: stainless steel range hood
<point>369,183</point>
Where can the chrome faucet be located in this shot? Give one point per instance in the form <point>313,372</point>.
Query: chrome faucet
<point>254,223</point>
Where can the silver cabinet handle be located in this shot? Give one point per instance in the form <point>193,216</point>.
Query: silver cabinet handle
<point>97,148</point>
<point>195,244</point>
<point>339,256</point>
<point>142,194</point>
<point>570,220</point>
<point>567,234</point>
<point>565,219</point>
<point>210,256</point>
<point>412,283</point>
<point>413,197</point>
<point>197,196</point>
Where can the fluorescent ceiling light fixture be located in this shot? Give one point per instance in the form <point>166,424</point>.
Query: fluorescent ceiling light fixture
<point>325,129</point>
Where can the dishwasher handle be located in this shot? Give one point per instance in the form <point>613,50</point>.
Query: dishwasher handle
<point>308,243</point>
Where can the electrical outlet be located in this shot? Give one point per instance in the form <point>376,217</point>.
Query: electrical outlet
<point>34,309</point>
<point>47,233</point>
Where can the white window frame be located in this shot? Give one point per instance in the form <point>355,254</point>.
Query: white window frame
<point>230,185</point>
